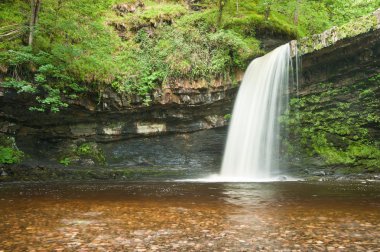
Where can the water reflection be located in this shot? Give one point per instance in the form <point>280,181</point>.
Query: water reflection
<point>190,216</point>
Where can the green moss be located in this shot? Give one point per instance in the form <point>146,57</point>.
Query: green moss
<point>252,23</point>
<point>358,26</point>
<point>351,29</point>
<point>155,15</point>
<point>337,132</point>
<point>16,173</point>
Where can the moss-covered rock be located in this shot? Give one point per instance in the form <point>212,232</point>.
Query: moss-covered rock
<point>339,125</point>
<point>56,173</point>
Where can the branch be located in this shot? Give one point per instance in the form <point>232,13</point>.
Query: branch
<point>10,33</point>
<point>13,37</point>
<point>6,26</point>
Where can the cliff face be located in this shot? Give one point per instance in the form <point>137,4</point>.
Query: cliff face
<point>332,70</point>
<point>335,118</point>
<point>181,107</point>
<point>94,133</point>
<point>341,55</point>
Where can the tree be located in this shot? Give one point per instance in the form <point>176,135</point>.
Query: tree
<point>34,10</point>
<point>296,12</point>
<point>267,8</point>
<point>221,4</point>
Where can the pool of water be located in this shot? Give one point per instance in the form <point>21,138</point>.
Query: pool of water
<point>190,216</point>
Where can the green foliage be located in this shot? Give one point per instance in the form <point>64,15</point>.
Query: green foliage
<point>343,11</point>
<point>73,154</point>
<point>187,49</point>
<point>85,45</point>
<point>310,17</point>
<point>10,155</point>
<point>12,23</point>
<point>21,86</point>
<point>351,29</point>
<point>66,161</point>
<point>47,81</point>
<point>157,14</point>
<point>227,116</point>
<point>250,19</point>
<point>84,149</point>
<point>198,54</point>
<point>90,150</point>
<point>51,101</point>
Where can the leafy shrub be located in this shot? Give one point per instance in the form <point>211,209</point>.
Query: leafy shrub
<point>65,161</point>
<point>10,155</point>
<point>90,150</point>
<point>84,149</point>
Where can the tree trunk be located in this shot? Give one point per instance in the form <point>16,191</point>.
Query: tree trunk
<point>34,8</point>
<point>221,6</point>
<point>296,12</point>
<point>267,12</point>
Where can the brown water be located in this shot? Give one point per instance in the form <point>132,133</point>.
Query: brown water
<point>172,216</point>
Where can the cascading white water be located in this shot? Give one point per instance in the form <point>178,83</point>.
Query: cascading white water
<point>252,149</point>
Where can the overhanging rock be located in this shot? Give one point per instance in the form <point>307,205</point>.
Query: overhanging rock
<point>341,55</point>
<point>331,37</point>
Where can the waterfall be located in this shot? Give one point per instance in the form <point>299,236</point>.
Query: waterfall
<point>252,150</point>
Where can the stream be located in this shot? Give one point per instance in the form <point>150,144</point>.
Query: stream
<point>188,216</point>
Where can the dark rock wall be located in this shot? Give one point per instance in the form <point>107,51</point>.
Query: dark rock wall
<point>122,130</point>
<point>335,118</point>
<point>345,63</point>
<point>183,107</point>
<point>179,155</point>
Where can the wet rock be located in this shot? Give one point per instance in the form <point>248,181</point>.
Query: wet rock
<point>143,162</point>
<point>319,173</point>
<point>87,162</point>
<point>8,127</point>
<point>341,178</point>
<point>283,178</point>
<point>149,128</point>
<point>83,130</point>
<point>3,173</point>
<point>115,129</point>
<point>195,5</point>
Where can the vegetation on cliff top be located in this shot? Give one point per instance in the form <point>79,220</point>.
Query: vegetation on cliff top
<point>59,50</point>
